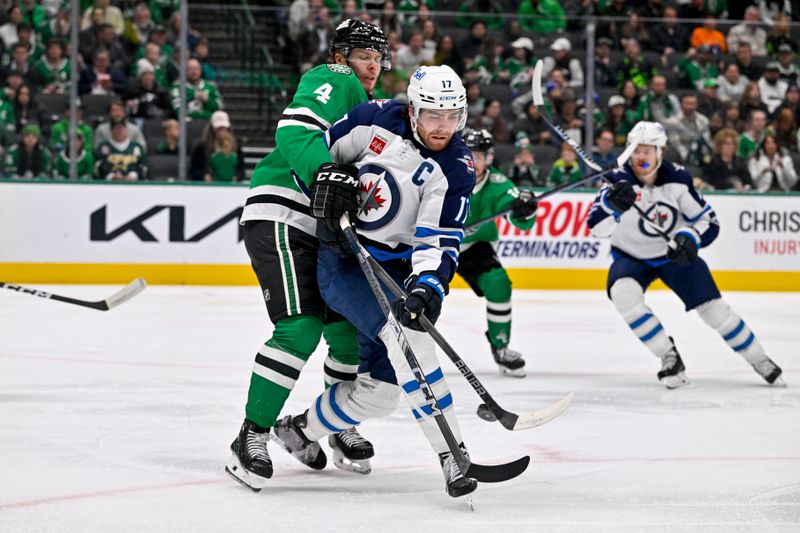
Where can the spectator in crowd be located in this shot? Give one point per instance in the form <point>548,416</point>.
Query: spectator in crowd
<point>201,52</point>
<point>14,81</point>
<point>786,64</point>
<point>8,31</point>
<point>28,39</point>
<point>658,104</point>
<point>708,101</point>
<point>669,36</point>
<point>84,163</point>
<point>731,84</point>
<point>109,41</point>
<point>389,20</point>
<point>488,11</point>
<point>569,115</point>
<point>29,159</point>
<point>744,60</point>
<point>784,128</point>
<point>26,109</point>
<point>709,35</point>
<point>414,21</point>
<point>532,125</point>
<point>748,31</point>
<point>87,38</point>
<point>137,31</point>
<point>113,16</point>
<point>120,158</point>
<point>754,133</point>
<point>313,44</point>
<point>634,67</point>
<point>349,10</point>
<point>413,55</point>
<point>698,65</point>
<point>171,130</point>
<point>726,170</point>
<point>33,14</point>
<point>603,69</point>
<point>475,100</point>
<point>475,44</point>
<point>117,113</point>
<point>517,69</point>
<point>631,95</point>
<point>542,16</point>
<point>51,73</point>
<point>199,169</point>
<point>792,100</point>
<point>771,168</point>
<point>779,34</point>
<point>693,10</point>
<point>771,87</point>
<point>224,162</point>
<point>751,100</point>
<point>618,119</point>
<point>174,31</point>
<point>59,132</point>
<point>635,29</point>
<point>603,152</point>
<point>202,96</point>
<point>523,171</point>
<point>57,27</point>
<point>614,11</point>
<point>563,60</point>
<point>101,77</point>
<point>492,120</point>
<point>19,62</point>
<point>164,9</point>
<point>565,169</point>
<point>768,10</point>
<point>153,58</point>
<point>448,54</point>
<point>688,132</point>
<point>8,122</point>
<point>144,98</point>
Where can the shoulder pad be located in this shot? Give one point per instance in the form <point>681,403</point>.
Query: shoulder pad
<point>339,69</point>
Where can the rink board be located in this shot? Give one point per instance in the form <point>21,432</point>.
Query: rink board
<point>189,234</point>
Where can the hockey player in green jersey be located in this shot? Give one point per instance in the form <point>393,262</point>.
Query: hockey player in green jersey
<point>280,237</point>
<point>478,263</point>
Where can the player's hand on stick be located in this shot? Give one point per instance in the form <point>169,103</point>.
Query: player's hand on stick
<point>682,249</point>
<point>334,193</point>
<point>621,196</point>
<point>425,295</point>
<point>524,206</point>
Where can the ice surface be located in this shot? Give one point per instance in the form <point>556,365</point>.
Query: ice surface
<point>121,421</point>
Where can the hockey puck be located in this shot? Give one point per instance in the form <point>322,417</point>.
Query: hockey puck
<point>485,413</point>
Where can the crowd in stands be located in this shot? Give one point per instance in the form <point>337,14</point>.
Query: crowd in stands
<point>128,94</point>
<point>721,76</point>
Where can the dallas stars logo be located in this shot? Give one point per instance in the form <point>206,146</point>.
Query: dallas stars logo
<point>372,201</point>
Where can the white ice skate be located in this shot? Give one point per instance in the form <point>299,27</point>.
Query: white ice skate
<point>672,374</point>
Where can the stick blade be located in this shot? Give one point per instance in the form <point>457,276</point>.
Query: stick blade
<point>126,293</point>
<point>536,84</point>
<point>498,473</point>
<point>543,416</point>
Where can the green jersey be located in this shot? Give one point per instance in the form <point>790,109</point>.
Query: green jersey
<point>59,134</point>
<point>8,118</point>
<point>84,165</point>
<point>52,73</point>
<point>198,109</point>
<point>12,161</point>
<point>222,167</point>
<point>324,94</point>
<point>564,173</point>
<point>127,157</point>
<point>490,196</point>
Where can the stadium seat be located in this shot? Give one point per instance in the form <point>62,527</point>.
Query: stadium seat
<point>95,107</point>
<point>52,105</point>
<point>545,154</point>
<point>194,132</point>
<point>163,166</point>
<point>503,155</point>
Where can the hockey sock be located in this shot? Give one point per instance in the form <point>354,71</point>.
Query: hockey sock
<point>425,350</point>
<point>718,314</point>
<point>277,366</point>
<point>342,361</point>
<point>496,286</point>
<point>628,297</point>
<point>348,403</point>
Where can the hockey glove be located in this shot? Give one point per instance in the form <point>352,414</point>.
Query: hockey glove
<point>524,206</point>
<point>682,249</point>
<point>621,196</point>
<point>334,193</point>
<point>425,295</point>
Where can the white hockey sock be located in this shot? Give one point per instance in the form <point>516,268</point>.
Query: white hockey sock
<point>628,297</point>
<point>425,350</point>
<point>336,371</point>
<point>718,314</point>
<point>348,403</point>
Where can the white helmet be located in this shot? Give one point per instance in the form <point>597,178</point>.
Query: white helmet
<point>437,88</point>
<point>650,133</point>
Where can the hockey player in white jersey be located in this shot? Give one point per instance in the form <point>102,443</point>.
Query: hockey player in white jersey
<point>415,176</point>
<point>664,191</point>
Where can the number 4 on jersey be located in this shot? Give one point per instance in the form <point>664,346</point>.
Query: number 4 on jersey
<point>323,92</point>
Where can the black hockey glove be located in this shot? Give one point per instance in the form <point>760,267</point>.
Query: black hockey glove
<point>682,249</point>
<point>524,206</point>
<point>424,295</point>
<point>334,193</point>
<point>621,196</point>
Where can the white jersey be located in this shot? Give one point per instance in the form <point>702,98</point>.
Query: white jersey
<point>414,201</point>
<point>672,203</point>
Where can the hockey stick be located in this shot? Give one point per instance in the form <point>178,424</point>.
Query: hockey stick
<point>121,296</point>
<point>490,410</point>
<point>483,473</point>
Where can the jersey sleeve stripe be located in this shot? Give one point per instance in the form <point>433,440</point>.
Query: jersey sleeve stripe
<point>305,112</point>
<point>292,122</point>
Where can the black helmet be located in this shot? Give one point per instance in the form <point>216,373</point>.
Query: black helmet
<point>353,33</point>
<point>478,140</point>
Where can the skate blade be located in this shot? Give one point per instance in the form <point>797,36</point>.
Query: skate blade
<point>673,382</point>
<point>252,481</point>
<point>514,373</point>
<point>779,383</point>
<point>468,501</point>
<point>358,466</point>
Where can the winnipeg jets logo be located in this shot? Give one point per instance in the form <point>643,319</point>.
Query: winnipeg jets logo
<point>380,197</point>
<point>467,160</point>
<point>662,215</point>
<point>371,198</point>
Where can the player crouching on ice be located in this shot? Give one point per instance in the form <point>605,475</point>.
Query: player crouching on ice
<point>664,191</point>
<point>414,175</point>
<point>478,263</point>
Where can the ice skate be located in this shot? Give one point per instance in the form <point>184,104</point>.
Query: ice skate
<point>250,464</point>
<point>456,484</point>
<point>288,435</point>
<point>771,372</point>
<point>510,362</point>
<point>351,451</point>
<point>672,374</point>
